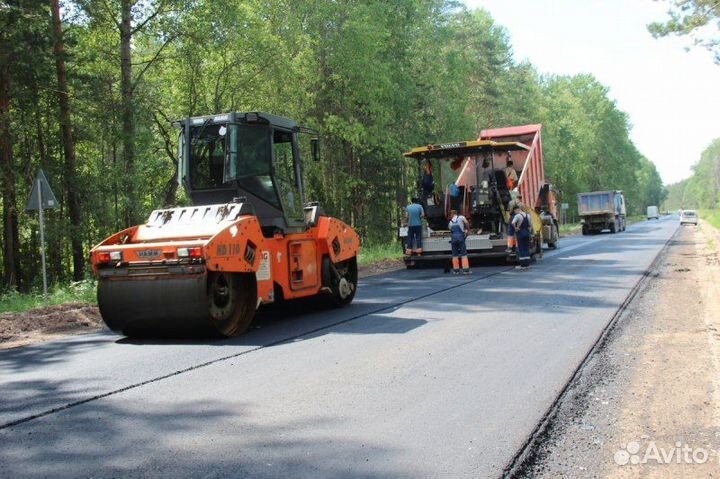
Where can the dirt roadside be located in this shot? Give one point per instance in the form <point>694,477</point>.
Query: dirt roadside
<point>45,324</point>
<point>648,402</point>
<point>53,322</point>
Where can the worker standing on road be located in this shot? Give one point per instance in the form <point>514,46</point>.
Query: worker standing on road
<point>459,227</point>
<point>415,215</point>
<point>521,225</point>
<point>516,201</point>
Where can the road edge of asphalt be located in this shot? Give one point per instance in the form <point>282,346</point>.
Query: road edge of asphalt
<point>525,456</point>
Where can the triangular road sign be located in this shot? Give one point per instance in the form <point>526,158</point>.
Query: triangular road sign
<point>48,198</point>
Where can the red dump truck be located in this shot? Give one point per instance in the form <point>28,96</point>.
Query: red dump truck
<point>478,170</point>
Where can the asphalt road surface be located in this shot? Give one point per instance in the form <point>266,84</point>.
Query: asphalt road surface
<point>424,375</point>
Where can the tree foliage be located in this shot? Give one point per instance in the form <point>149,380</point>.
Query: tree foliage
<point>376,78</point>
<point>702,189</point>
<point>699,19</point>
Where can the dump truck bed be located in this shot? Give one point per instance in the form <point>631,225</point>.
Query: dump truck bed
<point>596,202</point>
<point>532,176</point>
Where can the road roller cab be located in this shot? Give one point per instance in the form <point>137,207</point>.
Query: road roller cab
<point>248,239</point>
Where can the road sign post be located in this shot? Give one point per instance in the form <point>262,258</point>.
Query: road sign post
<point>42,236</point>
<point>41,197</point>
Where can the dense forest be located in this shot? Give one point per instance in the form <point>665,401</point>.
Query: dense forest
<point>702,189</point>
<point>88,90</point>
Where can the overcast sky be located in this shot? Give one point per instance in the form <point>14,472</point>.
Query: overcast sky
<point>672,96</point>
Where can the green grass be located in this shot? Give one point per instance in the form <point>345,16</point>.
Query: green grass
<point>711,216</point>
<point>83,292</point>
<point>635,219</point>
<point>575,228</point>
<point>375,253</point>
<point>570,229</point>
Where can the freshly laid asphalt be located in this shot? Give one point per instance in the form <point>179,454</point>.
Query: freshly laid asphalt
<point>424,375</point>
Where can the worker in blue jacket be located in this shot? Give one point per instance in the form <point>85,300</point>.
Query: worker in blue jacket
<point>415,215</point>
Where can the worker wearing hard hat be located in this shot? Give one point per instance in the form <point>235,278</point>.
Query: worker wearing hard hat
<point>521,225</point>
<point>415,215</point>
<point>459,227</point>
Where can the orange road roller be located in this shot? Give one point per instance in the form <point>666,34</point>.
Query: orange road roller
<point>248,240</point>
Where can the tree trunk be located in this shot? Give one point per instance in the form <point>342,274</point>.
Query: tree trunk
<point>68,147</point>
<point>11,251</point>
<point>171,186</point>
<point>127,112</point>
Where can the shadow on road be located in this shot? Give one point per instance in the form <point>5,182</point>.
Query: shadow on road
<point>33,357</point>
<point>184,438</point>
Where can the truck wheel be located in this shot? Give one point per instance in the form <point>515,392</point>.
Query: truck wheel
<point>554,237</point>
<point>585,230</point>
<point>342,280</point>
<point>232,299</point>
<point>538,251</point>
<point>613,227</point>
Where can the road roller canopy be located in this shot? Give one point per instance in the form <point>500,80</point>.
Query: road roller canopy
<point>254,155</point>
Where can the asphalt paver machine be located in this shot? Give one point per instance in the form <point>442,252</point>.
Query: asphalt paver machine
<point>477,172</point>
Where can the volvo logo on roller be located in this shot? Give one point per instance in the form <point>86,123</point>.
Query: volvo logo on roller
<point>450,145</point>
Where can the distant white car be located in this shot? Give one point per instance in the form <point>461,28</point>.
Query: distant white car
<point>652,213</point>
<point>688,217</point>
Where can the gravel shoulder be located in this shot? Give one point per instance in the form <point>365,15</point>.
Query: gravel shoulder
<point>648,402</point>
